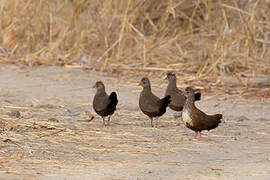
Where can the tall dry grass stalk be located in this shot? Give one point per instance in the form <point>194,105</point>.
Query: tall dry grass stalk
<point>193,36</point>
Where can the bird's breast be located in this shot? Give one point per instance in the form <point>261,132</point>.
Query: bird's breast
<point>187,118</point>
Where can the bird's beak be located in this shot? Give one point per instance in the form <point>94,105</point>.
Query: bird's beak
<point>95,86</point>
<point>140,83</point>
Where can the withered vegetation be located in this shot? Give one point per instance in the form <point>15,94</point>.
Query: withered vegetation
<point>207,38</point>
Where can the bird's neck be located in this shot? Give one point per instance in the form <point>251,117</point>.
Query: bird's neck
<point>172,84</point>
<point>147,89</point>
<point>101,91</point>
<point>190,103</point>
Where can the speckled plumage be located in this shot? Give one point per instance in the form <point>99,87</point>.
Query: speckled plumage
<point>194,118</point>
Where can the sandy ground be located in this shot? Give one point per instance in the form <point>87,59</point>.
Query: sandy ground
<point>52,138</point>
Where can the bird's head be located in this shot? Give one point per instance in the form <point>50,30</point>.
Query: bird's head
<point>189,92</point>
<point>170,77</point>
<point>99,85</point>
<point>144,82</point>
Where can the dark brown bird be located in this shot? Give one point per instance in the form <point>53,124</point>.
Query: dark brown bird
<point>178,99</point>
<point>194,118</point>
<point>151,105</point>
<point>103,104</point>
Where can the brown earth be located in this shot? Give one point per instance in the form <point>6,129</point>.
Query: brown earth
<point>52,138</point>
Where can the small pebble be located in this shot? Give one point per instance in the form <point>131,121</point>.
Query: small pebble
<point>15,113</point>
<point>241,118</point>
<point>49,106</point>
<point>53,120</point>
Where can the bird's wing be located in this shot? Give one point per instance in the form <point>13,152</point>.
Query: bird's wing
<point>178,99</point>
<point>101,102</point>
<point>150,103</point>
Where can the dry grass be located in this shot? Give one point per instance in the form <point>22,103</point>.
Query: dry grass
<point>204,37</point>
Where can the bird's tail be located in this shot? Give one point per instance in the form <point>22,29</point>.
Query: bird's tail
<point>165,102</point>
<point>114,100</point>
<point>218,117</point>
<point>198,96</point>
<point>214,121</point>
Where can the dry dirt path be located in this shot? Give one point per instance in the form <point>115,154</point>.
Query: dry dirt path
<point>53,139</point>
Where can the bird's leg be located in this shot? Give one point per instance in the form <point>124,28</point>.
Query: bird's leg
<point>195,136</point>
<point>178,117</point>
<point>109,118</point>
<point>151,121</point>
<point>156,122</point>
<point>200,133</point>
<point>181,113</point>
<point>103,118</point>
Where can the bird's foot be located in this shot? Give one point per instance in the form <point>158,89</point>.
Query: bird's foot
<point>151,122</point>
<point>104,123</point>
<point>200,133</point>
<point>156,122</point>
<point>195,136</point>
<point>108,123</point>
